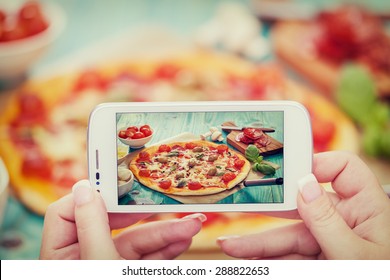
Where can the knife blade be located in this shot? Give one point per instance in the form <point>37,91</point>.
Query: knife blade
<point>239,128</point>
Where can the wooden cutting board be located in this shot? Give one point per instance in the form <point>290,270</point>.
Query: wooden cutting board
<point>273,147</point>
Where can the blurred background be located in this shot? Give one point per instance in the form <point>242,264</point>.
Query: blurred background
<point>337,51</point>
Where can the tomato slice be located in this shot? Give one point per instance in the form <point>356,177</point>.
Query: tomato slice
<point>227,177</point>
<point>239,163</point>
<point>164,148</point>
<point>166,71</point>
<point>144,155</point>
<point>90,79</point>
<point>165,184</point>
<point>144,173</point>
<point>222,149</point>
<point>32,110</point>
<point>190,145</point>
<point>35,164</point>
<point>194,186</point>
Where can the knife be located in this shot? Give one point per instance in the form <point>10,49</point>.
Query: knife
<point>264,129</point>
<point>262,182</point>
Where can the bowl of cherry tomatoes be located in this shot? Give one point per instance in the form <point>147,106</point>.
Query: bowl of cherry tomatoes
<point>26,32</point>
<point>135,136</point>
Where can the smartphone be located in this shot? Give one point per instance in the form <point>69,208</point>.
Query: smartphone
<point>199,156</point>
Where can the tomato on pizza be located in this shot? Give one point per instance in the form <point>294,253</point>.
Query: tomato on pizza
<point>190,168</point>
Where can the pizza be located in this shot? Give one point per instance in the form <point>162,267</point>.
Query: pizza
<point>190,168</point>
<point>318,48</point>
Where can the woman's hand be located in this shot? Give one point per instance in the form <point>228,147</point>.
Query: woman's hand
<point>353,223</point>
<point>78,227</point>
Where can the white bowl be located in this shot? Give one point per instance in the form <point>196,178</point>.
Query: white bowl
<point>135,143</point>
<point>4,181</point>
<point>126,187</point>
<point>16,57</point>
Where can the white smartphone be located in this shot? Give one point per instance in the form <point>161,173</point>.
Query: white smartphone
<point>199,156</point>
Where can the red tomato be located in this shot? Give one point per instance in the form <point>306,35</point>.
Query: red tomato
<point>194,186</point>
<point>134,128</point>
<point>164,148</point>
<point>138,135</point>
<point>165,184</point>
<point>167,71</point>
<point>144,126</point>
<point>227,177</point>
<point>122,134</point>
<point>35,164</point>
<point>31,18</point>
<point>144,155</point>
<point>12,32</point>
<point>323,133</point>
<point>222,149</point>
<point>146,131</point>
<point>32,109</point>
<point>190,145</point>
<point>238,163</point>
<point>129,133</point>
<point>90,79</point>
<point>144,173</point>
<point>2,16</point>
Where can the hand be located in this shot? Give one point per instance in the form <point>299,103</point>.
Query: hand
<point>78,227</point>
<point>353,223</point>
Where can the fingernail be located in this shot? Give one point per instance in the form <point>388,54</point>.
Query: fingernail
<point>82,192</point>
<point>309,188</point>
<point>226,237</point>
<point>199,216</point>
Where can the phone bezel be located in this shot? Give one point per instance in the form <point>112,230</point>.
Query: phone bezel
<point>102,153</point>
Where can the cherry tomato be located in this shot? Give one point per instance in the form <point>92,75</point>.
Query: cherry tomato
<point>146,131</point>
<point>238,163</point>
<point>164,148</point>
<point>122,134</point>
<point>227,177</point>
<point>165,184</point>
<point>32,19</point>
<point>90,79</point>
<point>144,126</point>
<point>133,128</point>
<point>144,173</point>
<point>138,135</point>
<point>194,186</point>
<point>222,149</point>
<point>190,145</point>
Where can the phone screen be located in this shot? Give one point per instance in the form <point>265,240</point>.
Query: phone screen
<point>200,157</point>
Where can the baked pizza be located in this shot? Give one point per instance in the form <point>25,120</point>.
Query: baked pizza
<point>190,168</point>
<point>43,126</point>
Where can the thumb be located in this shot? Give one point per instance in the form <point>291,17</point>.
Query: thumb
<point>93,230</point>
<point>335,237</point>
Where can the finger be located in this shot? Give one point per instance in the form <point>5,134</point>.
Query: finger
<point>335,237</point>
<point>93,229</point>
<point>121,220</point>
<point>170,252</point>
<point>347,172</point>
<point>155,236</point>
<point>279,242</point>
<point>59,229</point>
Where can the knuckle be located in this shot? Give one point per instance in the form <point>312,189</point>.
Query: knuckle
<point>325,214</point>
